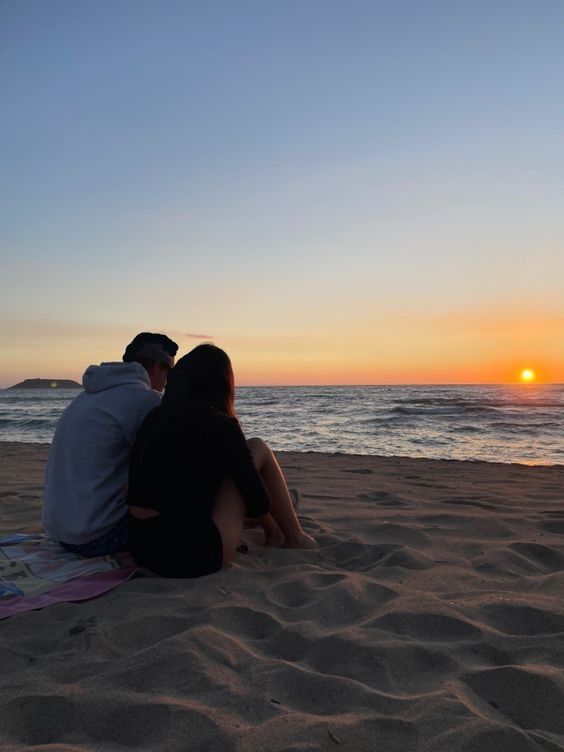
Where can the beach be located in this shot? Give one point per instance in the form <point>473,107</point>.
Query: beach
<point>431,619</point>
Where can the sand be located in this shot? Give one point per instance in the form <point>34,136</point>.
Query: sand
<point>431,618</point>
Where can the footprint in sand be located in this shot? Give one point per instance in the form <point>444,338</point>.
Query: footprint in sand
<point>348,600</point>
<point>383,498</point>
<point>533,699</point>
<point>553,527</point>
<point>516,619</point>
<point>427,626</point>
<point>542,557</point>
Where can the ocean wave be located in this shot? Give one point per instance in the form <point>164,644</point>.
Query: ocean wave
<point>482,404</point>
<point>427,441</point>
<point>521,426</point>
<point>380,421</point>
<point>537,404</point>
<point>482,423</point>
<point>442,410</point>
<point>31,423</point>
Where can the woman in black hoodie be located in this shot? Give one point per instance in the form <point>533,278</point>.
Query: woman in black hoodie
<point>194,478</point>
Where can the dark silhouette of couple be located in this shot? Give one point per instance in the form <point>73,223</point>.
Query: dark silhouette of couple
<point>172,481</point>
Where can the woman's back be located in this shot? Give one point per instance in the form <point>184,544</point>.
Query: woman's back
<point>193,479</point>
<point>180,459</point>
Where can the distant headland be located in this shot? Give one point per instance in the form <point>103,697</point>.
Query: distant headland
<point>47,384</point>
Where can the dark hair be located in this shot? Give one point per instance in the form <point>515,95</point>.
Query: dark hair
<point>148,363</point>
<point>203,375</point>
<point>148,348</point>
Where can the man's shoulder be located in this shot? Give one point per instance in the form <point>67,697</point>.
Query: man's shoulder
<point>112,378</point>
<point>142,396</point>
<point>124,394</point>
<point>127,405</point>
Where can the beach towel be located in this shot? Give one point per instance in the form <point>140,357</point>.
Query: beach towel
<point>36,571</point>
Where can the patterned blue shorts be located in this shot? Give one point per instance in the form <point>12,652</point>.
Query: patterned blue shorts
<point>117,539</point>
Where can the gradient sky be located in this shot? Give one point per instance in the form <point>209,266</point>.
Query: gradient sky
<point>334,192</point>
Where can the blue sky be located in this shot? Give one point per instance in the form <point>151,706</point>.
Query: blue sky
<point>318,186</point>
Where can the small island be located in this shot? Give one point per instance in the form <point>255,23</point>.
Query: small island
<point>47,384</point>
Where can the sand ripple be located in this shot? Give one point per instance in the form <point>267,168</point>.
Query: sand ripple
<point>431,619</point>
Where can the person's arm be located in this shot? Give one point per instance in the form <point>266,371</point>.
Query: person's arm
<point>238,461</point>
<point>142,404</point>
<point>136,480</point>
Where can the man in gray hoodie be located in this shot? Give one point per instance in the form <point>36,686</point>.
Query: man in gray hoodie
<point>84,504</point>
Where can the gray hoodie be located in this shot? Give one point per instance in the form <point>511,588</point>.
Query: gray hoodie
<point>86,478</point>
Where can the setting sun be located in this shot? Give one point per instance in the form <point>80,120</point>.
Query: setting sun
<point>527,375</point>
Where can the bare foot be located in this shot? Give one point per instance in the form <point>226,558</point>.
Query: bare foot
<point>273,536</point>
<point>275,539</point>
<point>303,540</point>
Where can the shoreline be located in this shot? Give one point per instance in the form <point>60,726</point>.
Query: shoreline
<point>383,457</point>
<point>431,618</point>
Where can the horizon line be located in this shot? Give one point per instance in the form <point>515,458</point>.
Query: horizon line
<point>419,383</point>
<point>387,385</point>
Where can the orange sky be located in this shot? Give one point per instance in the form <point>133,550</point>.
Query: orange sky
<point>464,347</point>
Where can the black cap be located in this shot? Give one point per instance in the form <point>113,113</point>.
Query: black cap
<point>151,346</point>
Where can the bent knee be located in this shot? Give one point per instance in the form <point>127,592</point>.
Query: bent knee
<point>259,449</point>
<point>255,441</point>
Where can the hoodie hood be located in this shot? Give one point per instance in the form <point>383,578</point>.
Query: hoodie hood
<point>111,375</point>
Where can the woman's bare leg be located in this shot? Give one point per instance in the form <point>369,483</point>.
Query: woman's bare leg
<point>281,526</point>
<point>229,514</point>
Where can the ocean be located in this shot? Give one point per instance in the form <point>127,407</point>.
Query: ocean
<point>517,423</point>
